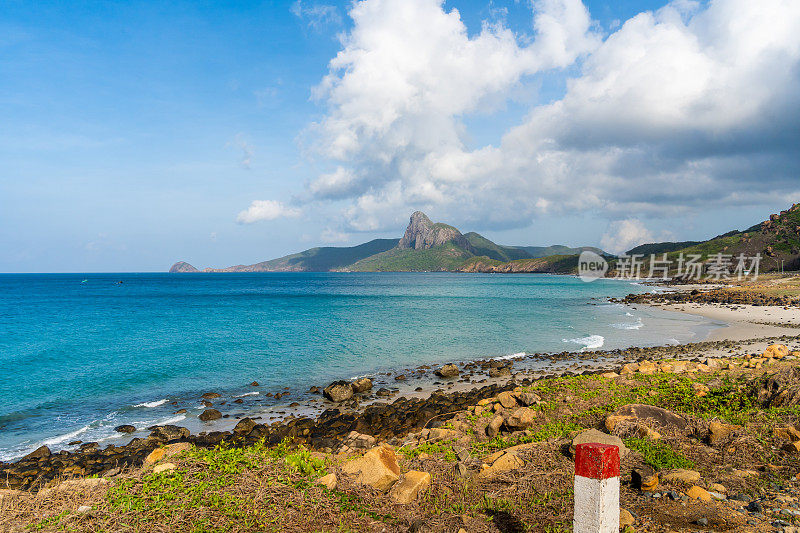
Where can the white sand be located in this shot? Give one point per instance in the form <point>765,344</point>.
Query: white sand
<point>743,321</point>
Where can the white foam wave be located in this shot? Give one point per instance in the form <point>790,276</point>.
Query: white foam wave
<point>590,342</point>
<point>510,356</point>
<point>152,404</point>
<point>248,394</point>
<point>636,325</point>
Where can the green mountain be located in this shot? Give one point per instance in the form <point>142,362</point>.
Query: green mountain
<point>558,249</point>
<point>425,246</point>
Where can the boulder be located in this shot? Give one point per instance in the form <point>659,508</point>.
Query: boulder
<point>210,395</point>
<point>526,399</point>
<point>164,467</point>
<point>362,385</point>
<point>254,384</point>
<point>499,372</point>
<point>125,428</point>
<point>505,463</point>
<point>625,518</point>
<point>410,486</point>
<point>507,400</point>
<point>789,433</point>
<point>777,351</point>
<point>494,426</point>
<point>169,433</point>
<point>328,481</point>
<point>698,493</point>
<point>377,468</point>
<point>338,391</point>
<point>244,426</point>
<point>42,452</point>
<point>448,371</point>
<point>594,435</point>
<point>521,418</point>
<point>649,415</point>
<point>718,431</point>
<point>210,414</point>
<point>680,475</point>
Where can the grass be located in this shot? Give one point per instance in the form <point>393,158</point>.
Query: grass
<point>443,447</point>
<point>659,455</point>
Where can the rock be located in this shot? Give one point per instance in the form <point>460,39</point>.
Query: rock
<point>594,435</point>
<point>625,518</point>
<point>499,372</point>
<point>718,431</point>
<point>680,475</point>
<point>39,453</point>
<point>362,385</point>
<point>254,384</point>
<point>647,367</point>
<point>526,399</point>
<point>521,418</point>
<point>164,467</point>
<point>358,440</point>
<point>154,456</point>
<point>718,488</point>
<point>83,509</point>
<point>646,432</point>
<point>210,414</point>
<point>244,426</point>
<point>125,428</point>
<point>789,433</point>
<point>649,483</point>
<point>171,450</point>
<point>507,400</point>
<point>169,433</point>
<point>494,426</point>
<point>698,493</point>
<point>777,351</point>
<point>648,415</point>
<point>507,462</point>
<point>754,507</point>
<point>73,486</point>
<point>448,371</point>
<point>328,481</point>
<point>338,391</point>
<point>377,468</point>
<point>410,486</point>
<point>210,395</point>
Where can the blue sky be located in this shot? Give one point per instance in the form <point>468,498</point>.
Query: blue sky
<point>134,133</point>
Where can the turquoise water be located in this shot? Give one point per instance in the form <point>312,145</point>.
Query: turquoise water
<point>80,357</point>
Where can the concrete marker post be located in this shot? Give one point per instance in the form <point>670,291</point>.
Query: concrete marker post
<point>596,488</point>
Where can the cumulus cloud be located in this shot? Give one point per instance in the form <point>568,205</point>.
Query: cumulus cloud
<point>626,234</point>
<point>266,210</point>
<point>682,108</point>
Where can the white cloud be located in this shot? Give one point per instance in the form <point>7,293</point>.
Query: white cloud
<point>266,210</point>
<point>245,148</point>
<point>678,109</point>
<point>331,235</point>
<point>316,15</point>
<point>624,235</point>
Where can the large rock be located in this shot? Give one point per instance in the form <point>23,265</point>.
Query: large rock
<point>410,486</point>
<point>328,481</point>
<point>777,351</point>
<point>718,431</point>
<point>650,415</point>
<point>698,493</point>
<point>789,433</point>
<point>594,435</point>
<point>125,428</point>
<point>244,426</point>
<point>507,400</point>
<point>680,475</point>
<point>338,391</point>
<point>422,234</point>
<point>448,371</point>
<point>169,433</point>
<point>494,426</point>
<point>505,463</point>
<point>210,414</point>
<point>377,468</point>
<point>42,452</point>
<point>527,399</point>
<point>361,385</point>
<point>521,418</point>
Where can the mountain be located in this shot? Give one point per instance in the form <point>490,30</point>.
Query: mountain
<point>425,246</point>
<point>183,267</point>
<point>321,259</point>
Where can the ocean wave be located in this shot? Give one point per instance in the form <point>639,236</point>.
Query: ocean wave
<point>152,404</point>
<point>590,342</point>
<point>510,356</point>
<point>636,325</point>
<point>255,393</point>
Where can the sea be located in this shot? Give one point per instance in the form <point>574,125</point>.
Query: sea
<point>81,354</point>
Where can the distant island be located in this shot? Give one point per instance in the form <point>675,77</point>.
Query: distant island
<point>437,247</point>
<point>425,246</point>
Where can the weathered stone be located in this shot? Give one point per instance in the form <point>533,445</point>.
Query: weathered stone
<point>328,481</point>
<point>681,476</point>
<point>718,431</point>
<point>410,486</point>
<point>625,518</point>
<point>499,372</point>
<point>507,462</point>
<point>777,351</point>
<point>377,468</point>
<point>521,418</point>
<point>698,493</point>
<point>494,426</point>
<point>527,399</point>
<point>507,400</point>
<point>649,415</point>
<point>789,433</point>
<point>164,467</point>
<point>210,396</point>
<point>125,428</point>
<point>362,385</point>
<point>155,456</point>
<point>647,367</point>
<point>210,414</point>
<point>448,371</point>
<point>594,435</point>
<point>338,391</point>
<point>38,453</point>
<point>169,433</point>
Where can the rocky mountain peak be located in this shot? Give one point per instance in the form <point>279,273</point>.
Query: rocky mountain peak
<point>422,234</point>
<point>182,267</point>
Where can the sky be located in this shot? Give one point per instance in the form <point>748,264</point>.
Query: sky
<point>137,134</point>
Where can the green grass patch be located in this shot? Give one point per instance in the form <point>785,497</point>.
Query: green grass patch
<point>659,455</point>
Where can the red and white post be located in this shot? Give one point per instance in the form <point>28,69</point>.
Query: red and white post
<point>596,488</point>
